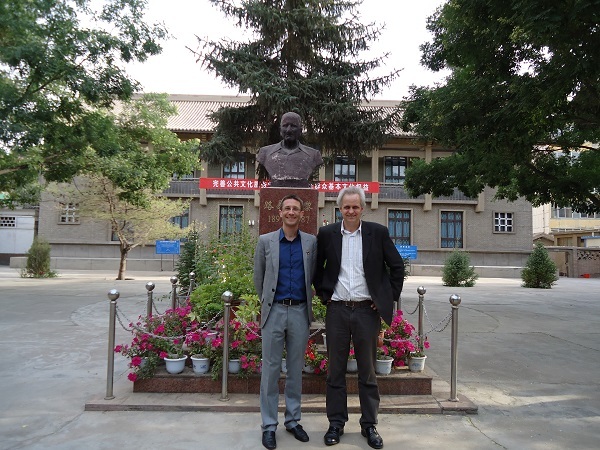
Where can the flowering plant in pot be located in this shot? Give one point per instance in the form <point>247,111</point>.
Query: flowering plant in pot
<point>168,331</point>
<point>351,365</point>
<point>244,342</point>
<point>143,358</point>
<point>315,360</point>
<point>399,340</point>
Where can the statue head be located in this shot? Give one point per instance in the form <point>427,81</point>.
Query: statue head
<point>290,129</point>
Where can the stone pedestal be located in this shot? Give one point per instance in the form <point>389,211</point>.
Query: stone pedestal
<point>269,219</point>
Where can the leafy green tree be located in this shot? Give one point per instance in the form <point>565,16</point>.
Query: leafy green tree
<point>540,270</point>
<point>97,198</point>
<point>520,105</point>
<point>61,70</point>
<point>305,58</point>
<point>457,270</point>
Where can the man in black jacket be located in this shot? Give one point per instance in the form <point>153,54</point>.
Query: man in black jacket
<point>359,275</point>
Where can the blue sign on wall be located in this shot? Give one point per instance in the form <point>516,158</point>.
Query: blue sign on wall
<point>167,247</point>
<point>407,251</point>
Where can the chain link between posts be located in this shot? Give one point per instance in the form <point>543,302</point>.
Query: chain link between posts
<point>445,321</point>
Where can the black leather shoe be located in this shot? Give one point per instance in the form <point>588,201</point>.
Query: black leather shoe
<point>332,436</point>
<point>299,433</point>
<point>268,440</point>
<point>373,438</point>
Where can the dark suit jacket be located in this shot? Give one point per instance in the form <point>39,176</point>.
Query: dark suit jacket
<point>383,265</point>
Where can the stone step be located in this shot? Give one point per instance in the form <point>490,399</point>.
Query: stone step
<point>400,382</point>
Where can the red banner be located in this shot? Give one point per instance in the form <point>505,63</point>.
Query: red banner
<point>249,184</point>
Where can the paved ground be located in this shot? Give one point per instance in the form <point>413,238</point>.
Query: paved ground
<point>528,358</point>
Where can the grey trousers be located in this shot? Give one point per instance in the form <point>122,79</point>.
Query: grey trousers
<point>289,325</point>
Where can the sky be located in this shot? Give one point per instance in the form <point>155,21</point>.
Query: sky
<point>175,71</point>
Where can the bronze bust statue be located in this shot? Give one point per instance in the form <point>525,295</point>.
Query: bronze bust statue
<point>288,163</point>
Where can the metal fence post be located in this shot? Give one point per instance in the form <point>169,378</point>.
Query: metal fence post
<point>113,295</point>
<point>149,288</point>
<point>454,301</point>
<point>421,291</point>
<point>173,291</point>
<point>226,297</point>
<point>192,283</point>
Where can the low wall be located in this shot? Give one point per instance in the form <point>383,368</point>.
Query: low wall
<point>58,264</point>
<point>435,270</point>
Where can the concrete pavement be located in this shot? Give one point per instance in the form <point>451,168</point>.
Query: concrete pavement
<point>529,359</point>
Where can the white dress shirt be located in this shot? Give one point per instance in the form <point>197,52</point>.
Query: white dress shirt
<point>351,284</point>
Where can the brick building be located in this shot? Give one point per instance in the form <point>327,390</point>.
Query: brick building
<point>497,234</point>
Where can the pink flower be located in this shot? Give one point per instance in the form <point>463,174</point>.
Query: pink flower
<point>118,348</point>
<point>132,376</point>
<point>163,355</point>
<point>136,361</point>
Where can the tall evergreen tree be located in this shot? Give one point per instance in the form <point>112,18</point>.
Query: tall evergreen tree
<point>305,57</point>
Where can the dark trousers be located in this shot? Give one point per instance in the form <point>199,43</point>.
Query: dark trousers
<point>361,326</point>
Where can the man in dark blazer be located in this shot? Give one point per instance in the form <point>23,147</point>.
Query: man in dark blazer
<point>284,263</point>
<point>359,275</point>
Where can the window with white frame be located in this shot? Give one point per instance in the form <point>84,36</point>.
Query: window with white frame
<point>395,169</point>
<point>399,226</point>
<point>231,219</point>
<point>344,169</point>
<point>451,229</point>
<point>235,169</point>
<point>503,222</point>
<point>68,213</point>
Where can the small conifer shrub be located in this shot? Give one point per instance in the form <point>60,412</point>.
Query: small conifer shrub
<point>540,270</point>
<point>457,270</point>
<point>38,260</point>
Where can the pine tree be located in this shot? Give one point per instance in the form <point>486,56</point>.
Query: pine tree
<point>305,58</point>
<point>187,260</point>
<point>540,270</point>
<point>457,270</point>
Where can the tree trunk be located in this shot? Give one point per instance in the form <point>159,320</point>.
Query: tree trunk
<point>123,263</point>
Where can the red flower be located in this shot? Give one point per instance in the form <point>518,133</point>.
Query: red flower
<point>132,376</point>
<point>136,361</point>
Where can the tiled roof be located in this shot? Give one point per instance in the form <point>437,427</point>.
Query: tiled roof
<point>193,111</point>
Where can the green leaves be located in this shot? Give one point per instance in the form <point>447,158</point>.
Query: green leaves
<point>59,63</point>
<point>304,57</point>
<point>522,96</point>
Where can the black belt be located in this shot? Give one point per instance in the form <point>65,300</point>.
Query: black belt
<point>352,304</point>
<point>289,302</point>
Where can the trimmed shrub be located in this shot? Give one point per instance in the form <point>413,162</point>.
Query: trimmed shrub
<point>540,270</point>
<point>457,270</point>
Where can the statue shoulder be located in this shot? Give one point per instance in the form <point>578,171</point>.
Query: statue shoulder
<point>265,151</point>
<point>313,152</point>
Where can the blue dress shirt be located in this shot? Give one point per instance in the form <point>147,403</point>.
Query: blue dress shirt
<point>290,280</point>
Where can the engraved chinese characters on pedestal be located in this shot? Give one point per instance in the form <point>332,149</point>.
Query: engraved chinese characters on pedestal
<point>269,214</point>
